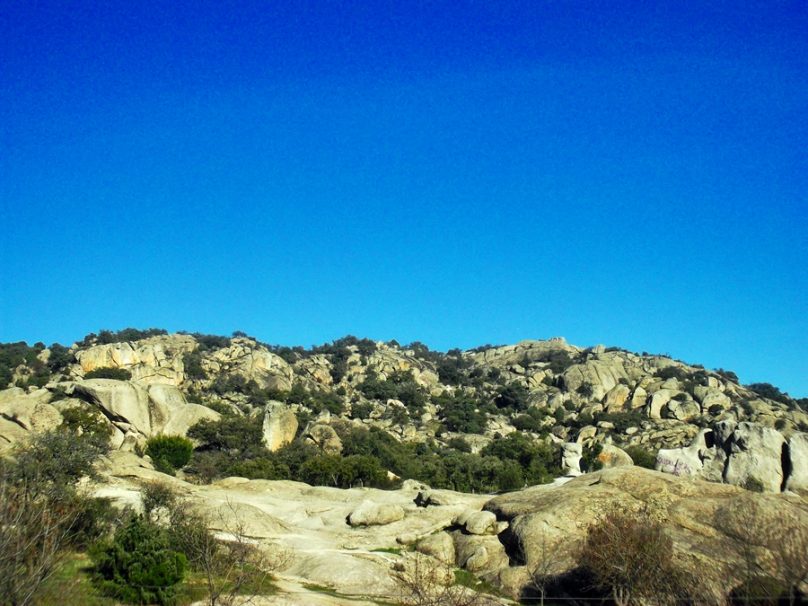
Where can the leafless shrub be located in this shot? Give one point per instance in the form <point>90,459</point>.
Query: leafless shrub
<point>426,581</point>
<point>629,554</point>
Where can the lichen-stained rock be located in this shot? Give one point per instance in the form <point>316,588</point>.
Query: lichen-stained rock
<point>682,410</point>
<point>798,462</point>
<point>253,362</point>
<point>601,375</point>
<point>479,554</point>
<point>616,398</point>
<point>325,438</point>
<point>612,456</point>
<point>182,419</point>
<point>477,522</point>
<point>29,411</point>
<point>280,426</point>
<point>118,400</point>
<point>154,360</point>
<point>439,545</point>
<point>755,457</point>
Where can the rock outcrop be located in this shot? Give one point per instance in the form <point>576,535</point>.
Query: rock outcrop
<point>743,454</point>
<point>280,426</point>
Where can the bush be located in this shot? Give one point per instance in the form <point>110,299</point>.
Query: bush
<point>175,451</point>
<point>513,397</point>
<point>641,456</point>
<point>139,565</point>
<point>119,374</point>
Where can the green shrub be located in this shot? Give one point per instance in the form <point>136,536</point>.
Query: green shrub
<point>139,565</point>
<point>460,413</point>
<point>174,451</point>
<point>512,396</point>
<point>361,410</point>
<point>119,374</point>
<point>641,456</point>
<point>586,390</point>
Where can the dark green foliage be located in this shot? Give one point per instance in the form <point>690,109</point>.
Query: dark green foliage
<point>398,386</point>
<point>539,462</point>
<point>622,420</point>
<point>586,390</point>
<point>234,434</point>
<point>589,460</point>
<point>174,451</point>
<point>531,421</point>
<point>641,456</point>
<point>767,390</point>
<point>235,383</point>
<point>192,363</point>
<point>728,375</point>
<point>343,472</point>
<point>451,368</point>
<point>53,461</point>
<point>90,424</point>
<point>317,400</point>
<point>13,355</point>
<point>259,468</point>
<point>104,337</point>
<point>512,397</point>
<point>459,444</point>
<point>460,413</point>
<point>558,415</point>
<point>139,566</point>
<point>211,342</point>
<point>559,361</point>
<point>672,372</point>
<point>119,374</point>
<point>60,358</point>
<point>361,410</point>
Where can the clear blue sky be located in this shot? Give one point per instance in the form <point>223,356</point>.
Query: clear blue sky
<point>626,173</point>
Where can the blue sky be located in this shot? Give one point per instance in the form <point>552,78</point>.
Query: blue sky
<point>459,173</point>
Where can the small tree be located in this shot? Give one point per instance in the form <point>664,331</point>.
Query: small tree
<point>140,565</point>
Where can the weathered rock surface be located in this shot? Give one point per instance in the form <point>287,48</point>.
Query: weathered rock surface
<point>28,412</point>
<point>798,463</point>
<point>153,360</point>
<point>280,426</point>
<point>325,438</point>
<point>755,457</point>
<point>612,456</point>
<point>571,453</point>
<point>477,522</point>
<point>375,514</point>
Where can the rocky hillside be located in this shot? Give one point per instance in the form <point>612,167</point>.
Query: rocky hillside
<point>506,416</point>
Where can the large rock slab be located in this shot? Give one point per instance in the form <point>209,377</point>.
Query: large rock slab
<point>375,514</point>
<point>755,458</point>
<point>154,360</point>
<point>798,461</point>
<point>554,519</point>
<point>28,411</point>
<point>280,426</point>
